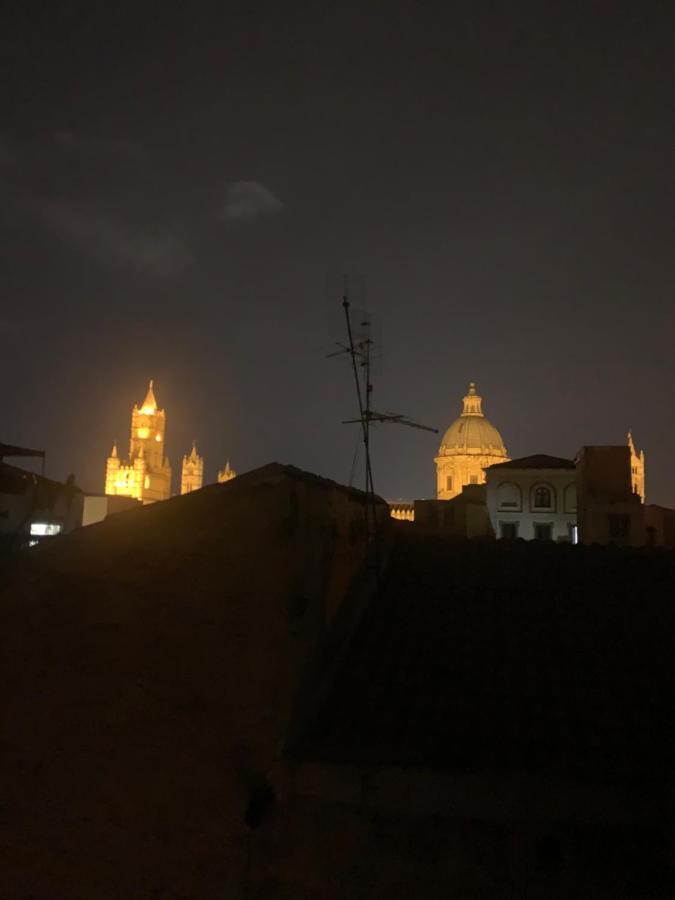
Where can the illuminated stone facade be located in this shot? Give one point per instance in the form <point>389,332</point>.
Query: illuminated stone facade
<point>403,510</point>
<point>469,446</point>
<point>192,474</point>
<point>637,468</point>
<point>146,475</point>
<point>226,474</point>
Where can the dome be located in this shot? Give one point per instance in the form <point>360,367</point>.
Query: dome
<point>472,432</point>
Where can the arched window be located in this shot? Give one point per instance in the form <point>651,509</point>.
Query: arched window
<point>542,497</point>
<point>509,496</point>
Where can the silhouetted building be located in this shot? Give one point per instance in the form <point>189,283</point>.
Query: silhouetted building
<point>464,516</point>
<point>609,511</point>
<point>34,508</point>
<point>215,697</point>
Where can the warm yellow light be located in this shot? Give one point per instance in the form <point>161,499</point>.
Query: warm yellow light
<point>158,437</point>
<point>147,482</point>
<point>148,410</point>
<point>143,433</point>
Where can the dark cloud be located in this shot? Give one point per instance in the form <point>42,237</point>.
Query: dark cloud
<point>71,142</point>
<point>6,154</point>
<point>151,251</point>
<point>249,200</point>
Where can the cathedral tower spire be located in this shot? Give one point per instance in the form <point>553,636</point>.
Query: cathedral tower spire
<point>147,473</point>
<point>149,404</point>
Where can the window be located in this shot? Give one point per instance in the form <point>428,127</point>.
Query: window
<point>573,531</point>
<point>543,531</point>
<point>619,527</point>
<point>448,482</point>
<point>42,529</point>
<point>509,496</point>
<point>508,531</point>
<point>473,479</point>
<point>542,498</point>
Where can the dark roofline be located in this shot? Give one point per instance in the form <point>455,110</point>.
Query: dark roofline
<point>25,476</point>
<point>536,461</point>
<point>13,450</point>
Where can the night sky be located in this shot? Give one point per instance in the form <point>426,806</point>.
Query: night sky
<point>183,192</point>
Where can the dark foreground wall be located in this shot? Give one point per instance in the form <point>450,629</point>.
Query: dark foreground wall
<point>186,717</point>
<point>504,725</point>
<point>150,668</point>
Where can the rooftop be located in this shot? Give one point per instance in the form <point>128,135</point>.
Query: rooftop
<point>537,461</point>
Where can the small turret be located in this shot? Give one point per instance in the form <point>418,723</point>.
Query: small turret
<point>226,474</point>
<point>192,476</point>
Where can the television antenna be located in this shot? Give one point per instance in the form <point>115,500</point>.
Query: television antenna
<point>361,349</point>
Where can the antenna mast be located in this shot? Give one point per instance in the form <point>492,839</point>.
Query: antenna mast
<point>360,352</point>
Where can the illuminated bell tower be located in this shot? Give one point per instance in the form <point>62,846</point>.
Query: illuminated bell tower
<point>147,474</point>
<point>192,475</point>
<point>637,468</point>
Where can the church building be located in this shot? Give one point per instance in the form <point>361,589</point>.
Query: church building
<point>146,475</point>
<point>469,446</point>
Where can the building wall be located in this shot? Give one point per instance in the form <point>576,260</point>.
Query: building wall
<point>29,501</point>
<point>210,661</point>
<point>98,507</point>
<point>610,512</point>
<point>464,469</point>
<point>659,526</point>
<point>512,500</point>
<point>464,516</point>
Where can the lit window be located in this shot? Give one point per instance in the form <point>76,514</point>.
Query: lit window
<point>543,531</point>
<point>158,437</point>
<point>143,433</point>
<point>42,529</point>
<point>573,531</point>
<point>448,482</point>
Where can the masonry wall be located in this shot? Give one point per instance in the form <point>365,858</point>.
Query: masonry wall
<point>151,668</point>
